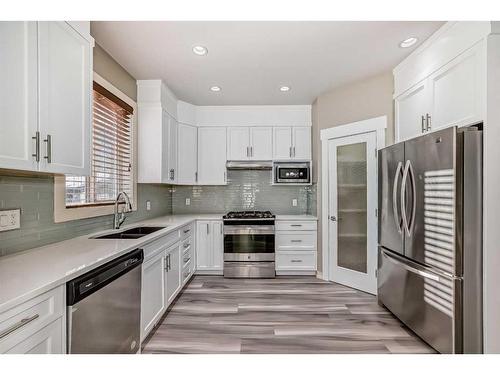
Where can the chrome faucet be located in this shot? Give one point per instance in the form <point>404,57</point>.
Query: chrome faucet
<point>120,218</point>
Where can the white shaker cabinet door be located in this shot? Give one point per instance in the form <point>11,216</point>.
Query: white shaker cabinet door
<point>187,154</point>
<point>261,143</point>
<point>411,109</point>
<point>18,96</point>
<point>217,245</point>
<point>282,143</point>
<point>212,156</point>
<point>173,261</point>
<point>301,143</point>
<point>153,293</point>
<point>203,245</point>
<point>458,90</point>
<point>238,143</point>
<point>65,100</point>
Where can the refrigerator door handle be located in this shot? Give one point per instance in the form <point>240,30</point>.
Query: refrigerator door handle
<point>409,268</point>
<point>403,198</point>
<point>397,219</point>
<point>413,197</point>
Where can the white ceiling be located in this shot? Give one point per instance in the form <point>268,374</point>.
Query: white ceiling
<point>251,60</point>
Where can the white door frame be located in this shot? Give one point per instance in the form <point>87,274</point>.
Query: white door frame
<point>377,125</point>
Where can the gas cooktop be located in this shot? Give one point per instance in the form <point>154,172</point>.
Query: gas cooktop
<point>249,215</point>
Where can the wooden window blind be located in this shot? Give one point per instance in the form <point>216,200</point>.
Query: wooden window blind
<point>111,154</point>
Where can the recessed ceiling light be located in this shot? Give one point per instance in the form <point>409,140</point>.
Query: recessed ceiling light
<point>200,50</point>
<point>215,88</point>
<point>408,42</point>
<point>285,88</point>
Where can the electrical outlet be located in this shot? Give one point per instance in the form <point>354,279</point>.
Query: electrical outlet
<point>148,205</point>
<point>188,201</point>
<point>294,202</point>
<point>10,219</point>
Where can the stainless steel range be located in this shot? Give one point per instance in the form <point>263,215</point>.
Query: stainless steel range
<point>249,244</point>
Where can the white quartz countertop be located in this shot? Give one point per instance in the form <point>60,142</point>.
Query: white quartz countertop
<point>32,272</point>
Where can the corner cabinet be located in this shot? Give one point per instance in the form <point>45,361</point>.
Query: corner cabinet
<point>453,94</point>
<point>209,247</point>
<point>46,96</point>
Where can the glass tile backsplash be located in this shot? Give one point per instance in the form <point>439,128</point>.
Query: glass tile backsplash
<point>246,190</point>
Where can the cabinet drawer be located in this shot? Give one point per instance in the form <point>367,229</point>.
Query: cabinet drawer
<point>296,260</point>
<point>187,259</point>
<point>187,272</point>
<point>305,240</point>
<point>187,231</point>
<point>48,340</point>
<point>187,244</point>
<point>22,321</point>
<point>295,225</point>
<point>152,248</point>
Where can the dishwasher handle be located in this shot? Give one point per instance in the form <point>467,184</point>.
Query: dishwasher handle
<point>90,282</point>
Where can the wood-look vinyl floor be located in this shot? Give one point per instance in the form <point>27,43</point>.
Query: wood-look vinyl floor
<point>282,315</point>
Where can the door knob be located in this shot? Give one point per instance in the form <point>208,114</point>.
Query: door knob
<point>333,218</point>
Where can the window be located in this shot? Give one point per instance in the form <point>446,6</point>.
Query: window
<point>111,157</point>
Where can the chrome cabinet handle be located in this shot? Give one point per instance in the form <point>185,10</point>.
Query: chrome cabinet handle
<point>251,151</point>
<point>295,240</point>
<point>186,260</point>
<point>18,325</point>
<point>208,229</point>
<point>290,151</point>
<point>186,245</point>
<point>187,231</point>
<point>293,151</point>
<point>423,123</point>
<point>36,138</point>
<point>48,145</point>
<point>296,261</point>
<point>395,197</point>
<point>248,152</point>
<point>428,121</point>
<point>196,176</point>
<point>296,225</point>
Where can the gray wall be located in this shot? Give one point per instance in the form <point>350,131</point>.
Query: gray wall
<point>368,98</point>
<point>246,190</point>
<point>34,194</point>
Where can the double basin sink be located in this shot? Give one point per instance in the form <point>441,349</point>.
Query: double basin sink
<point>132,233</point>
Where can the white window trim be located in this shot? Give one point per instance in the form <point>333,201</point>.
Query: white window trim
<point>61,212</point>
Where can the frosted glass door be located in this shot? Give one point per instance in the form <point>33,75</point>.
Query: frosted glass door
<point>352,204</point>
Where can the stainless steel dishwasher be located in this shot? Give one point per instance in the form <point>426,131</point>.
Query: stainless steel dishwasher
<point>104,307</point>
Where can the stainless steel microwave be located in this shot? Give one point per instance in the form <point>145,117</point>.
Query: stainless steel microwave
<point>292,173</point>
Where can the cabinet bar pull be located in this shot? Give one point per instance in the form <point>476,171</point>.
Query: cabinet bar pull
<point>296,225</point>
<point>423,124</point>
<point>290,151</point>
<point>293,151</point>
<point>186,245</point>
<point>36,138</point>
<point>208,229</point>
<point>296,241</point>
<point>296,261</point>
<point>186,260</point>
<point>428,121</point>
<point>187,230</point>
<point>18,325</point>
<point>48,142</point>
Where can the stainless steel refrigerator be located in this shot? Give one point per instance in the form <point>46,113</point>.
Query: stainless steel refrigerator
<point>430,237</point>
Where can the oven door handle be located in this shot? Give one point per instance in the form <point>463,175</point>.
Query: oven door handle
<point>246,231</point>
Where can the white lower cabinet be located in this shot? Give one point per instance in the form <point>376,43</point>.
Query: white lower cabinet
<point>209,247</point>
<point>173,270</point>
<point>35,326</point>
<point>296,244</point>
<point>153,292</point>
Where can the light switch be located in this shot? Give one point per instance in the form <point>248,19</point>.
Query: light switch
<point>148,205</point>
<point>10,219</point>
<point>294,202</point>
<point>188,201</point>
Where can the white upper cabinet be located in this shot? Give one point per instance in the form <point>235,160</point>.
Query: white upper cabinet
<point>46,97</point>
<point>249,143</point>
<point>458,90</point>
<point>212,156</point>
<point>301,142</point>
<point>65,93</point>
<point>282,148</point>
<point>443,83</point>
<point>411,110</point>
<point>238,143</point>
<point>292,143</point>
<point>261,143</point>
<point>187,154</point>
<point>18,95</point>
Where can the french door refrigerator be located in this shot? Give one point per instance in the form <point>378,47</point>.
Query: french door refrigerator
<point>430,237</point>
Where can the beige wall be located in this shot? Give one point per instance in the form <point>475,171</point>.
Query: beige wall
<point>111,71</point>
<point>357,101</point>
